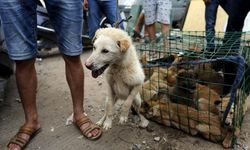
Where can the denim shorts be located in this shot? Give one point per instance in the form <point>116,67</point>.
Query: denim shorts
<point>19,25</point>
<point>98,8</point>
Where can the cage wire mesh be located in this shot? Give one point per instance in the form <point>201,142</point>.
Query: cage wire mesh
<point>196,88</point>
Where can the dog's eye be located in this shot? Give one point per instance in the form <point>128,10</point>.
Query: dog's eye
<point>105,51</point>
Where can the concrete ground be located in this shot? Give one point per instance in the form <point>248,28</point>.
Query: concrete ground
<point>54,104</point>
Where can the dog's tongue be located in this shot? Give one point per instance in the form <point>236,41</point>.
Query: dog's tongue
<point>95,74</point>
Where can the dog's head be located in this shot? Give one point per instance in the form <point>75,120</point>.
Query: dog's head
<point>108,49</point>
<point>186,79</point>
<point>221,106</point>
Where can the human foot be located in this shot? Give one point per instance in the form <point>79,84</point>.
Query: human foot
<point>88,128</point>
<point>23,137</point>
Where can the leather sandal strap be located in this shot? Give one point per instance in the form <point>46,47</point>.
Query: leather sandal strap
<point>82,121</point>
<point>90,128</point>
<point>18,141</point>
<point>26,130</point>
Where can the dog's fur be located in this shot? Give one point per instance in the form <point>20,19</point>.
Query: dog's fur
<point>184,90</point>
<point>169,114</point>
<point>113,49</point>
<point>207,98</point>
<point>209,77</point>
<point>161,79</point>
<point>190,120</point>
<point>221,106</point>
<point>218,134</point>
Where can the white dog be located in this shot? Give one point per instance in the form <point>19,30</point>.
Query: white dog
<point>113,50</point>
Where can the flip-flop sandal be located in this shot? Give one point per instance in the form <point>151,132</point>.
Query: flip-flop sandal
<point>21,142</point>
<point>136,36</point>
<point>91,126</point>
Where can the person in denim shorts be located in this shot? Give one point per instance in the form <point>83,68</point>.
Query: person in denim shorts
<point>157,11</point>
<point>19,25</point>
<point>96,9</point>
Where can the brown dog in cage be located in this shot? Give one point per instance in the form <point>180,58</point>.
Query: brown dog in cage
<point>183,91</point>
<point>189,120</point>
<point>161,78</point>
<point>209,77</point>
<point>173,114</point>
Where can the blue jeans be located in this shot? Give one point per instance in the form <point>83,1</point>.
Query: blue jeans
<point>19,25</point>
<point>2,40</point>
<point>210,17</point>
<point>98,8</point>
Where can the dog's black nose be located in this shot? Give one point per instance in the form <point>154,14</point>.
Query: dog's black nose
<point>89,66</point>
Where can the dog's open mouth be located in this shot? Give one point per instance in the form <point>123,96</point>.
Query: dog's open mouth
<point>96,73</point>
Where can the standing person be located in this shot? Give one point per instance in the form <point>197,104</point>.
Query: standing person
<point>237,15</point>
<point>19,24</point>
<point>138,27</point>
<point>232,40</point>
<point>210,18</point>
<point>96,9</point>
<point>157,11</point>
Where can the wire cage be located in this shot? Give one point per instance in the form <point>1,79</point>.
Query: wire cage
<point>196,88</point>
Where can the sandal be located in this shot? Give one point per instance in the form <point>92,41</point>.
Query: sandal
<point>21,142</point>
<point>89,128</point>
<point>136,36</point>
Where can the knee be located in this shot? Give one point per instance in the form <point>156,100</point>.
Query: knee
<point>72,60</point>
<point>22,64</point>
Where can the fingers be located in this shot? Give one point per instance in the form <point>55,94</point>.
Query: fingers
<point>85,5</point>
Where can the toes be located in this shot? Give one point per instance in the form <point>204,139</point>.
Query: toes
<point>95,132</point>
<point>90,135</point>
<point>14,147</point>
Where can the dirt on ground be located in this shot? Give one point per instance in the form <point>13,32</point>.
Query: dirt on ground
<point>55,106</point>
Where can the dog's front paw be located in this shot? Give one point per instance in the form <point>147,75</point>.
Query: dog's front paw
<point>107,123</point>
<point>123,119</point>
<point>144,123</point>
<point>100,122</point>
<point>227,143</point>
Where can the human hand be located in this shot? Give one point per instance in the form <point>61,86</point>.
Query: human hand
<point>207,1</point>
<point>85,5</point>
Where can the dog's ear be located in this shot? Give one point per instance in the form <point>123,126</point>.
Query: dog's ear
<point>95,36</point>
<point>123,44</point>
<point>93,40</point>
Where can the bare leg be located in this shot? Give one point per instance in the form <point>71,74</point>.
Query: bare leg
<point>165,32</point>
<point>75,79</point>
<point>27,84</point>
<point>139,23</point>
<point>151,31</point>
<point>165,29</point>
<point>146,34</point>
